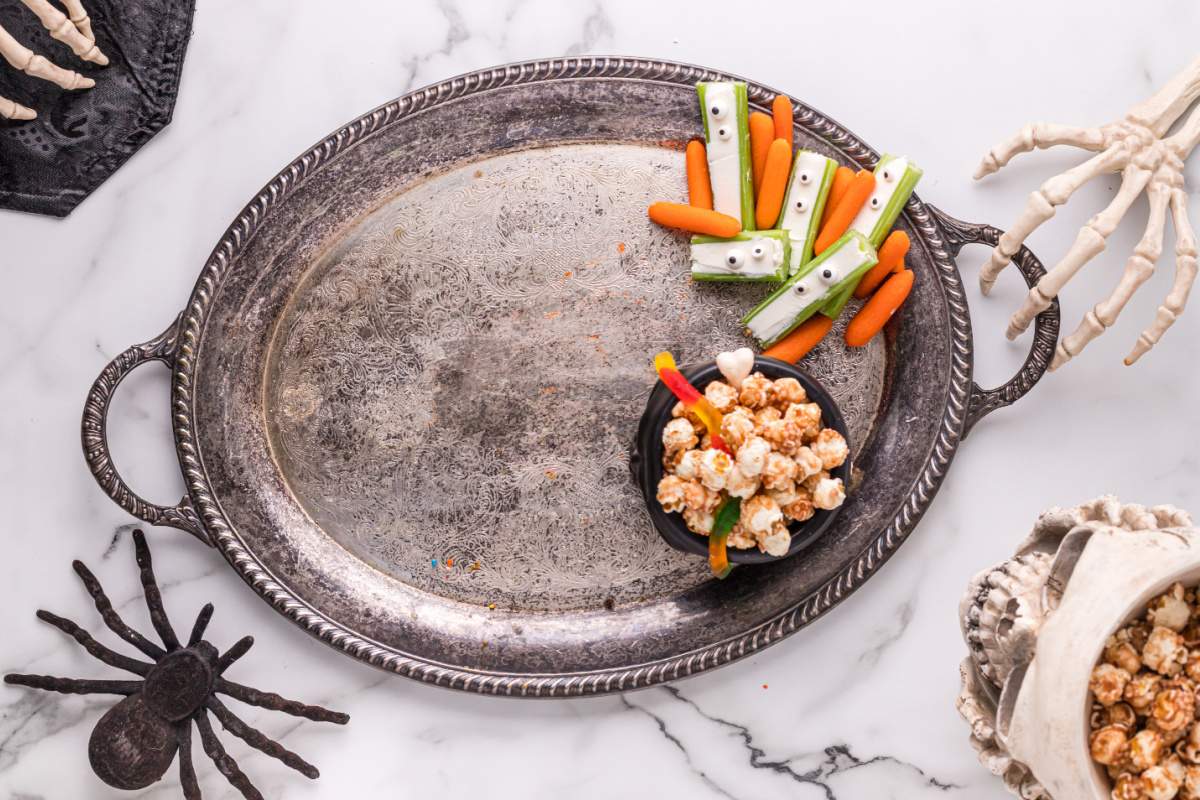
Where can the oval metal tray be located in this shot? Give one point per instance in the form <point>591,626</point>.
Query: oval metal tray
<point>407,381</point>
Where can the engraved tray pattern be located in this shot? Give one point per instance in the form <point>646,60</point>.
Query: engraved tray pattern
<point>461,378</point>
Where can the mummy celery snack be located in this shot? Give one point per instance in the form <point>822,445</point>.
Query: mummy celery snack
<point>808,189</point>
<point>727,135</point>
<point>895,179</point>
<point>754,256</point>
<point>808,290</point>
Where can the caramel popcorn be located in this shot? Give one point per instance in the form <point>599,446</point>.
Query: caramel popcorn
<point>1170,610</point>
<point>737,426</point>
<point>714,468</point>
<point>831,448</point>
<point>1145,730</point>
<point>1146,749</point>
<point>1159,783</point>
<point>739,484</point>
<point>679,434</point>
<point>779,472</point>
<point>1165,652</point>
<point>1109,745</point>
<point>1128,787</point>
<point>755,391</point>
<point>721,395</point>
<point>1140,692</point>
<point>829,493</point>
<point>752,456</point>
<point>778,465</point>
<point>760,513</point>
<point>788,391</point>
<point>670,493</point>
<point>1108,683</point>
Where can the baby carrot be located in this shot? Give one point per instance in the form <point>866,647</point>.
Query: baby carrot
<point>837,190</point>
<point>696,220</point>
<point>781,113</point>
<point>847,209</point>
<point>891,256</point>
<point>871,318</point>
<point>762,133</point>
<point>699,185</point>
<point>774,184</point>
<point>797,344</point>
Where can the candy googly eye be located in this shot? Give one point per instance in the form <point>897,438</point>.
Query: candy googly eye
<point>719,109</point>
<point>801,206</point>
<point>828,274</point>
<point>723,133</point>
<point>874,202</point>
<point>735,259</point>
<point>758,252</point>
<point>800,289</point>
<point>887,175</point>
<point>805,177</point>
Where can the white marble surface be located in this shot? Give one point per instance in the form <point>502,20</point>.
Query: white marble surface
<point>858,705</point>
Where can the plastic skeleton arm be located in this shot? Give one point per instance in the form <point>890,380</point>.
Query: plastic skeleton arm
<point>75,31</point>
<point>1148,160</point>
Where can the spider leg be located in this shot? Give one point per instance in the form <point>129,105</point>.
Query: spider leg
<point>49,683</point>
<point>225,763</point>
<point>1185,276</point>
<point>1041,207</point>
<point>62,29</point>
<point>110,616</point>
<point>187,771</point>
<point>239,649</point>
<point>1138,269</point>
<point>273,702</point>
<point>1088,244</point>
<point>201,623</point>
<point>97,650</point>
<point>258,740</point>
<point>1039,135</point>
<point>158,614</point>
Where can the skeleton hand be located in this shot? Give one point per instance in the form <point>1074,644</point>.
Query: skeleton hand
<point>74,31</point>
<point>1137,147</point>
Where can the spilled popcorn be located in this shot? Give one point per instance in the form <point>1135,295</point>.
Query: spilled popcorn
<point>777,462</point>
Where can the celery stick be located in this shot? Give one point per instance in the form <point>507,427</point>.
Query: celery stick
<point>895,179</point>
<point>752,256</point>
<point>804,293</point>
<point>725,112</point>
<point>808,189</point>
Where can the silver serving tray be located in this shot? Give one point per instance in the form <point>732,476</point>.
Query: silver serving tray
<point>429,338</point>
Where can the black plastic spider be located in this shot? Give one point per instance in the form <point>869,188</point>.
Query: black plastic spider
<point>135,742</point>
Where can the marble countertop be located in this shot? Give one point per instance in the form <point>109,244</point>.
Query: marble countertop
<point>861,704</point>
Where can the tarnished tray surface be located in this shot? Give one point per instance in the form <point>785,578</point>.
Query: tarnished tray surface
<point>415,347</point>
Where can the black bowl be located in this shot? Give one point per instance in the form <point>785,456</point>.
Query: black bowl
<point>646,461</point>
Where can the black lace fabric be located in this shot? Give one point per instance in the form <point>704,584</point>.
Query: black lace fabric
<point>51,164</point>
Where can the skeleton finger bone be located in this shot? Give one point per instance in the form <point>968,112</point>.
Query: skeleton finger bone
<point>24,59</point>
<point>1041,207</point>
<point>1088,244</point>
<point>12,110</point>
<point>1039,135</point>
<point>1137,270</point>
<point>62,29</point>
<point>79,18</point>
<point>1185,276</point>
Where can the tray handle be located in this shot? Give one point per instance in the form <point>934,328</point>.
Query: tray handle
<point>94,431</point>
<point>1045,326</point>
